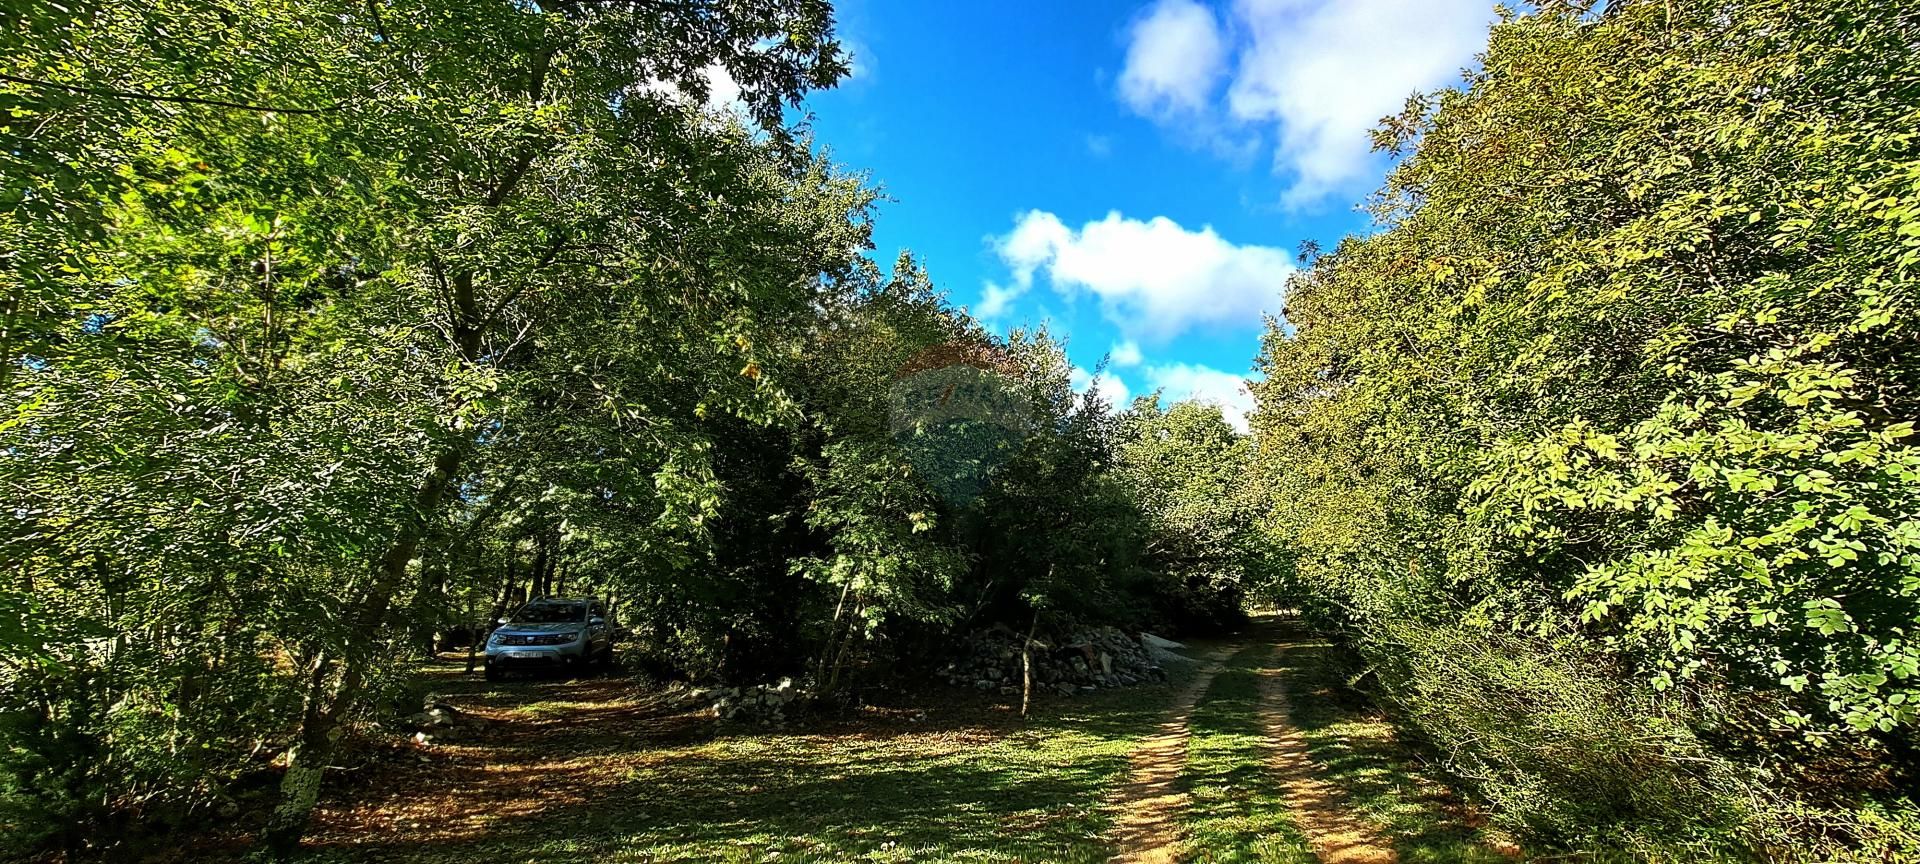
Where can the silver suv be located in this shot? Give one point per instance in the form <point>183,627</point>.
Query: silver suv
<point>565,633</point>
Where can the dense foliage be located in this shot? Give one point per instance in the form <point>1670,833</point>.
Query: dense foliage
<point>333,331</point>
<point>1601,449</point>
<point>329,332</point>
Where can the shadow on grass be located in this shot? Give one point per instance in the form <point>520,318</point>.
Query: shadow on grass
<point>1355,747</point>
<point>561,778</point>
<point>1238,812</point>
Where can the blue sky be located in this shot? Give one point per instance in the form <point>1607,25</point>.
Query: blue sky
<point>1137,175</point>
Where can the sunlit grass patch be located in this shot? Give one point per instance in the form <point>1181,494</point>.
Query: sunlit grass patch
<point>549,708</point>
<point>1032,794</point>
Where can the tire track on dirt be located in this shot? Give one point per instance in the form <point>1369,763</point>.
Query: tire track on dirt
<point>1319,809</point>
<point>1146,826</point>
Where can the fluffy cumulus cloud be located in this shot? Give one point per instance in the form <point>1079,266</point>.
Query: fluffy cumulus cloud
<point>1126,353</point>
<point>1154,279</point>
<point>1112,388</point>
<point>1175,382</point>
<point>1321,73</point>
<point>723,92</point>
<point>1180,382</point>
<point>996,300</point>
<point>1176,54</point>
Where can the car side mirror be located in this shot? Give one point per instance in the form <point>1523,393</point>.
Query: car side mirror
<point>499,620</point>
<point>596,620</point>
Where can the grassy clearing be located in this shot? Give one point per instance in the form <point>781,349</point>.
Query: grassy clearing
<point>971,783</point>
<point>1238,813</point>
<point>1356,747</point>
<point>604,769</point>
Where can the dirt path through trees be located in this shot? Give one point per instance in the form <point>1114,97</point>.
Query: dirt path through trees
<point>1146,829</point>
<point>1147,826</point>
<point>1318,808</point>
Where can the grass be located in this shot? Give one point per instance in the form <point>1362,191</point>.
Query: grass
<point>606,769</point>
<point>970,783</point>
<point>1384,780</point>
<point>1238,812</point>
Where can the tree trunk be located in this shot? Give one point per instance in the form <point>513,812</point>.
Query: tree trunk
<point>473,631</point>
<point>1026,666</point>
<point>507,583</point>
<point>427,604</point>
<point>320,725</point>
<point>539,586</point>
<point>833,638</point>
<point>483,629</point>
<point>832,684</point>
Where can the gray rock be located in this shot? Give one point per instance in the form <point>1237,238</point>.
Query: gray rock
<point>1148,640</point>
<point>1167,657</point>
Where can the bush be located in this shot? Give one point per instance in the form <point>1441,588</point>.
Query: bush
<point>1565,751</point>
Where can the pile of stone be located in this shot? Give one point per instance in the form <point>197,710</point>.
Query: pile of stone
<point>1086,661</point>
<point>765,704</point>
<point>438,721</point>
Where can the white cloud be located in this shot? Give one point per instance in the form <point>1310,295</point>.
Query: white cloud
<point>1112,389</point>
<point>1180,382</point>
<point>1176,55</point>
<point>1321,74</point>
<point>861,62</point>
<point>1125,353</point>
<point>996,299</point>
<point>1031,244</point>
<point>1176,382</point>
<point>1154,279</point>
<point>723,92</point>
<point>1328,71</point>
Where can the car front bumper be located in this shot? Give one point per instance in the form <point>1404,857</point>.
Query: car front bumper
<point>531,656</point>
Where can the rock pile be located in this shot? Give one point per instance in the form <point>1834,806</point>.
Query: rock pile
<point>1088,661</point>
<point>1163,651</point>
<point>439,721</point>
<point>766,704</point>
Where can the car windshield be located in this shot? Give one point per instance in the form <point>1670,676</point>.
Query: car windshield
<point>549,613</point>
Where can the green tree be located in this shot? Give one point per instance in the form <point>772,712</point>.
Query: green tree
<point>1187,469</point>
<point>271,325</point>
<point>1622,385</point>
